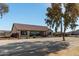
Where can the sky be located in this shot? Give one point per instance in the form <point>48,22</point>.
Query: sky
<point>28,13</point>
<point>25,13</point>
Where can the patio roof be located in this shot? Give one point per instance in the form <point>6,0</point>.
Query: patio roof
<point>30,27</point>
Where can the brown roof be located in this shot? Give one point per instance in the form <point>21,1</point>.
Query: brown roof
<point>30,27</point>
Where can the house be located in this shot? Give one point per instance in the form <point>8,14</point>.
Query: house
<point>74,33</point>
<point>27,31</point>
<point>4,33</point>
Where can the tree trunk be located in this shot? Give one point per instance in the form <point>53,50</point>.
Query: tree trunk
<point>62,20</point>
<point>61,28</point>
<point>64,34</point>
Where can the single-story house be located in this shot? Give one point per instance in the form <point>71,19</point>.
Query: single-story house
<point>74,33</point>
<point>4,33</point>
<point>27,31</point>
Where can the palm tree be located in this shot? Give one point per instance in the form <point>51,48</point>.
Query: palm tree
<point>3,9</point>
<point>55,14</point>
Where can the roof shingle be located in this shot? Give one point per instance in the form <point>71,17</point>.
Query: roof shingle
<point>30,27</point>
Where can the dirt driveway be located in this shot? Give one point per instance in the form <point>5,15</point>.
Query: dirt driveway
<point>40,46</point>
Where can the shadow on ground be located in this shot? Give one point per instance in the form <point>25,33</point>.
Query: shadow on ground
<point>32,48</point>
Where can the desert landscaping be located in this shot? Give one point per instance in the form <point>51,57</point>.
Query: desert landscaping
<point>39,30</point>
<point>53,46</point>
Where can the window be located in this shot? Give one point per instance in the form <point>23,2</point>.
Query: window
<point>23,32</point>
<point>35,33</point>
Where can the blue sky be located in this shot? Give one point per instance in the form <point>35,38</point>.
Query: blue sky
<point>24,13</point>
<point>28,13</point>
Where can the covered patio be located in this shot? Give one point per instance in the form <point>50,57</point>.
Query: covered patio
<point>27,31</point>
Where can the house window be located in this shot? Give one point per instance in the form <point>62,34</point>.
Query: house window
<point>23,32</point>
<point>35,33</point>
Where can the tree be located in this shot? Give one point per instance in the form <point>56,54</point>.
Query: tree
<point>54,16</point>
<point>67,19</point>
<point>3,9</point>
<point>71,15</point>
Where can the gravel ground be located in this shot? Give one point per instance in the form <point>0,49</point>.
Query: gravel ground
<point>37,46</point>
<point>74,41</point>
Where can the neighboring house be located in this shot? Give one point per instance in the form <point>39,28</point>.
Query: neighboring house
<point>74,33</point>
<point>4,33</point>
<point>27,31</point>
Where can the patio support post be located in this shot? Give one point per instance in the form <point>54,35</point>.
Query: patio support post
<point>28,34</point>
<point>19,34</point>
